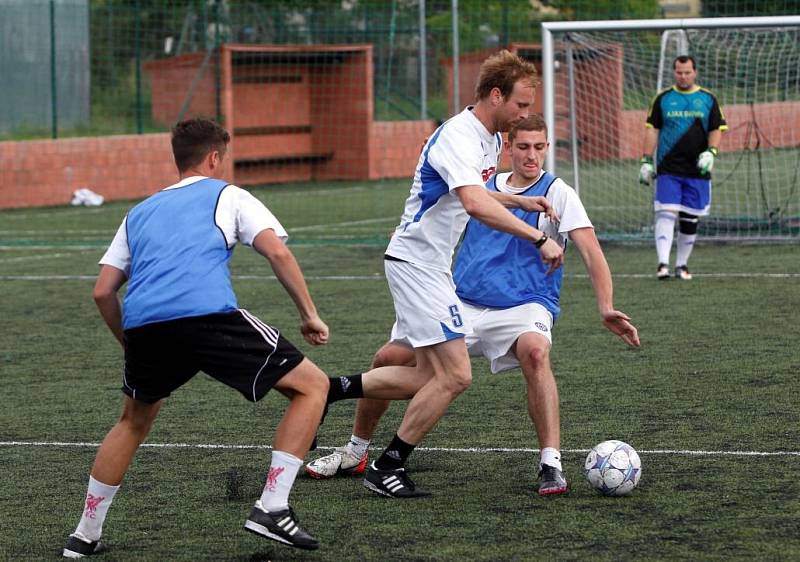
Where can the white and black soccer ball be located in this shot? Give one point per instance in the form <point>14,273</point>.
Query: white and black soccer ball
<point>613,468</point>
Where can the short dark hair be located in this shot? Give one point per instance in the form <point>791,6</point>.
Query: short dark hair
<point>502,70</point>
<point>534,122</point>
<point>684,59</point>
<point>194,139</point>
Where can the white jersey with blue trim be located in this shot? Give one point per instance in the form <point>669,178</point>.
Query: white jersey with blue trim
<point>460,152</point>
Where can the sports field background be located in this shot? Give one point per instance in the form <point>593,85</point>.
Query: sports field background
<point>710,401</point>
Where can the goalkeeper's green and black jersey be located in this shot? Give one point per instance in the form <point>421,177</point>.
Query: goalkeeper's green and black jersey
<point>684,120</point>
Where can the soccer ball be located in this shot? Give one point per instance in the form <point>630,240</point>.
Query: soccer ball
<point>613,468</point>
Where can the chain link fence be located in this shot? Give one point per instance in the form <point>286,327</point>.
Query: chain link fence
<point>77,67</point>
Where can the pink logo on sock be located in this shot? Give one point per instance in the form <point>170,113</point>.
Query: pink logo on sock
<point>272,477</point>
<point>91,505</point>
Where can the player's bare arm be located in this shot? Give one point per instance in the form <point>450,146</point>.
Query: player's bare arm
<point>650,140</point>
<point>480,205</point>
<point>536,203</point>
<point>288,272</point>
<point>615,321</point>
<point>106,297</point>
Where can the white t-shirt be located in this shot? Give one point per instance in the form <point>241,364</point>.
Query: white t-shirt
<point>239,215</point>
<point>460,152</point>
<point>565,202</point>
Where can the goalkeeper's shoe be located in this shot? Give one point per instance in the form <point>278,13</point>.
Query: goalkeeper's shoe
<point>663,271</point>
<point>393,483</point>
<point>78,546</point>
<point>281,526</point>
<point>551,481</point>
<point>340,461</point>
<point>682,272</point>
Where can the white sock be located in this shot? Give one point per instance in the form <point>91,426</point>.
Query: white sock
<point>685,247</point>
<point>664,232</point>
<point>280,479</point>
<point>550,457</point>
<point>358,446</point>
<point>98,499</point>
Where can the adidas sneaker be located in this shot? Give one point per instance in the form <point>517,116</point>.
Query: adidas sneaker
<point>281,526</point>
<point>78,547</point>
<point>394,483</point>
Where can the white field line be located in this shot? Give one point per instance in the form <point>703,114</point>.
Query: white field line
<point>56,213</point>
<point>374,277</point>
<point>480,450</point>
<point>338,224</point>
<point>110,232</point>
<point>48,247</point>
<point>39,257</point>
<point>380,276</point>
<point>86,232</point>
<point>337,191</point>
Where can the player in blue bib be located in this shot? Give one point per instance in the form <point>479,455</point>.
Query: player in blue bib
<point>180,316</point>
<point>510,297</point>
<point>686,123</point>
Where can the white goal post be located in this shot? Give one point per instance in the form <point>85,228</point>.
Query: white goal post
<point>600,77</point>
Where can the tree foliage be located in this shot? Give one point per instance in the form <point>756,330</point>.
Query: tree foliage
<point>736,8</point>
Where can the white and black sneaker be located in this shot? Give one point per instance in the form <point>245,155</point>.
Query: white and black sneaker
<point>394,483</point>
<point>78,546</point>
<point>662,271</point>
<point>281,526</point>
<point>341,461</point>
<point>551,481</point>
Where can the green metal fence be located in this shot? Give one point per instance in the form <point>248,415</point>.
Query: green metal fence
<point>75,67</point>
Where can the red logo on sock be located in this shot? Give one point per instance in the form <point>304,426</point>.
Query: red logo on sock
<point>272,477</point>
<point>91,505</point>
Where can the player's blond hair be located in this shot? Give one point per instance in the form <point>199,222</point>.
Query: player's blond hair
<point>502,71</point>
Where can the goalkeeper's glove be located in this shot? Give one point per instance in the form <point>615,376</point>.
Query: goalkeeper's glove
<point>647,172</point>
<point>705,162</point>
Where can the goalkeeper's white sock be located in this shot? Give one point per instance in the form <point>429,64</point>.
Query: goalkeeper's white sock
<point>550,457</point>
<point>358,446</point>
<point>280,479</point>
<point>685,247</point>
<point>95,508</point>
<point>664,232</point>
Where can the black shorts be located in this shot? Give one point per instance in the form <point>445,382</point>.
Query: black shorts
<point>236,348</point>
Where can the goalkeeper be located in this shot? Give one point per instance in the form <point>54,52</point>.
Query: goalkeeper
<point>686,123</point>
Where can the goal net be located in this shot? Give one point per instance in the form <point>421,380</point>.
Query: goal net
<point>603,84</point>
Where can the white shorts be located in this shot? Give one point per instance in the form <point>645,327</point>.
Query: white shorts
<point>496,329</point>
<point>426,307</point>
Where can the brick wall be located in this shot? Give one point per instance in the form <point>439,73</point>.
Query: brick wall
<point>394,147</point>
<point>778,122</point>
<point>46,172</point>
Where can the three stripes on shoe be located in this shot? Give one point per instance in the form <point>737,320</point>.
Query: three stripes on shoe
<point>392,483</point>
<point>288,525</point>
